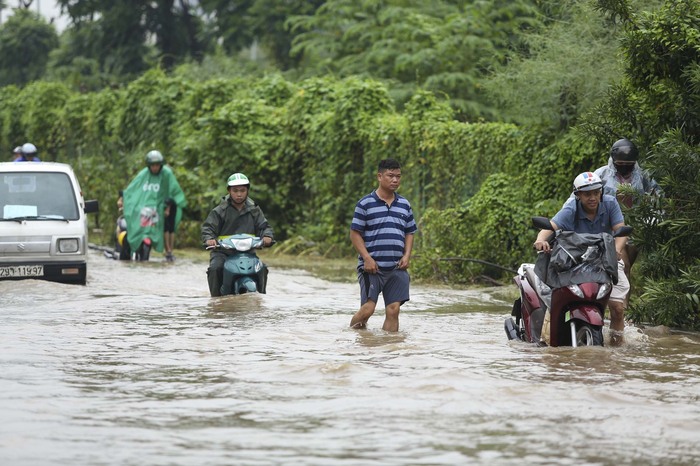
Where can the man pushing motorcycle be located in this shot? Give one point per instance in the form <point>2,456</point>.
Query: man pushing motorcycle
<point>593,212</point>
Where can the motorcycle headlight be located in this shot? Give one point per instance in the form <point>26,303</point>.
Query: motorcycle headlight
<point>603,290</point>
<point>576,290</point>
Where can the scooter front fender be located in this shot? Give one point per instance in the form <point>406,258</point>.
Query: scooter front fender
<point>587,313</point>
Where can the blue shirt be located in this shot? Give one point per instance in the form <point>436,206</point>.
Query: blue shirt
<point>572,217</point>
<point>383,228</point>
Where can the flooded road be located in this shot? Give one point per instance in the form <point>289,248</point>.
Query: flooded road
<point>141,367</point>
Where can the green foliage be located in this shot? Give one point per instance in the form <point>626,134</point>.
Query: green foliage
<point>336,170</point>
<point>443,46</point>
<point>26,40</point>
<point>549,165</point>
<point>148,111</point>
<point>492,226</point>
<point>667,227</point>
<point>564,70</point>
<point>674,301</point>
<point>78,59</point>
<point>657,106</point>
<point>11,133</point>
<point>117,36</point>
<point>42,107</point>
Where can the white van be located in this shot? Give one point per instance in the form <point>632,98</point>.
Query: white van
<point>43,223</point>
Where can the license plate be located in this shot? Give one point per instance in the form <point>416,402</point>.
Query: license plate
<point>22,271</point>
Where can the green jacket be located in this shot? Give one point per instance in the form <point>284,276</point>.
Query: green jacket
<point>225,220</point>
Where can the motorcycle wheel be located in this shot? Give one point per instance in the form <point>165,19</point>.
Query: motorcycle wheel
<point>588,335</point>
<point>143,252</point>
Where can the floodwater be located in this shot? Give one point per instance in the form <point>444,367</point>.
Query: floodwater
<point>141,367</point>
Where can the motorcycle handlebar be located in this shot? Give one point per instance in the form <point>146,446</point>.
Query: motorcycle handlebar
<point>218,245</point>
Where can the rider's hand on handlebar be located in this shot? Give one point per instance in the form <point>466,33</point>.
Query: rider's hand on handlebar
<point>210,243</point>
<point>267,241</point>
<point>542,245</point>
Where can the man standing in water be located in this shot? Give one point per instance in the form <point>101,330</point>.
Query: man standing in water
<point>382,232</point>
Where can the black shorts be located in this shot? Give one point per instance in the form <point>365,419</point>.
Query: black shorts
<point>169,223</point>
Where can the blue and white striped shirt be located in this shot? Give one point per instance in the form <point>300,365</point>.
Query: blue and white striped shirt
<point>384,228</point>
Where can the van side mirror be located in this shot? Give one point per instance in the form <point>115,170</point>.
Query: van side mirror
<point>91,206</point>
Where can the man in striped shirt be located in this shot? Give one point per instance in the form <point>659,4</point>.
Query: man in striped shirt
<point>382,232</point>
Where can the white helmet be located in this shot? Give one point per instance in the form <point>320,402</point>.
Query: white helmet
<point>238,179</point>
<point>587,181</point>
<point>29,149</point>
<point>18,150</point>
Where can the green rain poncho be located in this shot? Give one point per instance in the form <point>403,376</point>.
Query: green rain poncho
<point>144,205</point>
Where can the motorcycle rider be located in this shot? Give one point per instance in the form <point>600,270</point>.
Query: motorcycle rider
<point>623,169</point>
<point>593,212</point>
<point>28,153</point>
<point>235,214</point>
<point>144,202</point>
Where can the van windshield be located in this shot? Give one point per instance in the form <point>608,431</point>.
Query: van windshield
<point>37,196</point>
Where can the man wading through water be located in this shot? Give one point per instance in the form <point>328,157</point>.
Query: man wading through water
<point>382,232</point>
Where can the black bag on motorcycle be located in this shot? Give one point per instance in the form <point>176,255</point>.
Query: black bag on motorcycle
<point>578,258</point>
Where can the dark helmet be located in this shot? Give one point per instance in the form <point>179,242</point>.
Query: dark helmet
<point>154,157</point>
<point>624,151</point>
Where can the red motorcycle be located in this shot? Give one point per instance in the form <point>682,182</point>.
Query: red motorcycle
<point>572,284</point>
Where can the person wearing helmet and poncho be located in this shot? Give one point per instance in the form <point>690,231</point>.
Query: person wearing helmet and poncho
<point>594,212</point>
<point>147,202</point>
<point>235,214</point>
<point>623,170</point>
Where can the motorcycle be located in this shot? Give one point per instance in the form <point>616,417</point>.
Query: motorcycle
<point>244,272</point>
<point>122,250</point>
<point>572,284</point>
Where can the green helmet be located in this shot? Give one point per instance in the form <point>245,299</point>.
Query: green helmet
<point>154,157</point>
<point>238,179</point>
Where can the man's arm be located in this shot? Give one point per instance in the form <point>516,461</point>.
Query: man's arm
<point>406,258</point>
<point>620,241</point>
<point>263,228</point>
<point>541,243</point>
<point>358,242</point>
<point>210,229</point>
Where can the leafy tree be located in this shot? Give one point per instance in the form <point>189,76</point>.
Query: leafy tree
<point>443,46</point>
<point>26,40</point>
<point>657,106</point>
<point>562,73</point>
<point>117,34</point>
<point>253,23</point>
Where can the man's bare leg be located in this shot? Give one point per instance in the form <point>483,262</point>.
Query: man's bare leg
<point>617,321</point>
<point>359,320</point>
<point>391,320</point>
<point>169,242</point>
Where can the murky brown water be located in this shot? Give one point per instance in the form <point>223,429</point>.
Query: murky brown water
<point>141,367</point>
